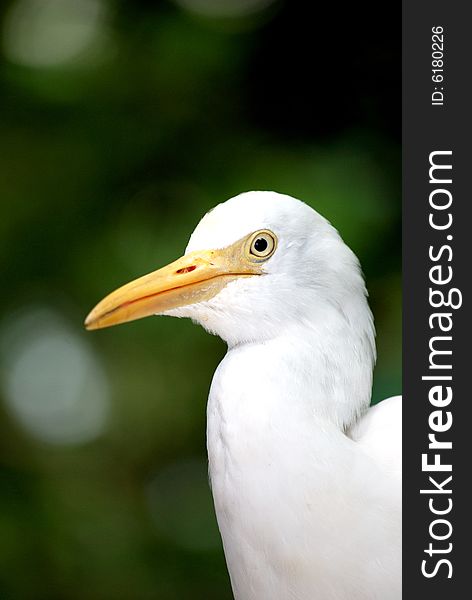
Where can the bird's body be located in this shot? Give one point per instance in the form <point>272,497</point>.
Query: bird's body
<point>305,477</point>
<point>304,511</point>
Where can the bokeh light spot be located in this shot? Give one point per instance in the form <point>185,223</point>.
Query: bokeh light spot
<point>52,383</point>
<point>49,33</point>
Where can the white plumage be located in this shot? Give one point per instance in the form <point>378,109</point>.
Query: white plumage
<point>306,478</point>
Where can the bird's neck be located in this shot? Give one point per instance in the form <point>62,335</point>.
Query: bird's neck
<point>322,366</point>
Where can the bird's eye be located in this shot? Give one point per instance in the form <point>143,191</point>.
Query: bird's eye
<point>263,244</point>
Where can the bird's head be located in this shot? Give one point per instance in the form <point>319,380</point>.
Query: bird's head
<point>255,264</point>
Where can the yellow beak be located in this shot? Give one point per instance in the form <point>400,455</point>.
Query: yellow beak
<point>195,277</point>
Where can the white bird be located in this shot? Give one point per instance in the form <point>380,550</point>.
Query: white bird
<point>306,478</point>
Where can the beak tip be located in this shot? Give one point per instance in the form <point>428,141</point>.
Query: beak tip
<point>90,322</point>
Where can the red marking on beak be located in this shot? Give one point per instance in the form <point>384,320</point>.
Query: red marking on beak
<point>186,269</point>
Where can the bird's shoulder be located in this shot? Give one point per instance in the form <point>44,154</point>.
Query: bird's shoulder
<point>379,432</point>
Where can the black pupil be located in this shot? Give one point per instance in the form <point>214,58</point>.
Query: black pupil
<point>261,244</point>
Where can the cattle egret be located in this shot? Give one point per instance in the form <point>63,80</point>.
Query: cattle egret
<point>306,478</point>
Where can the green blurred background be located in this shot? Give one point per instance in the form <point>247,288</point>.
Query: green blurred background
<point>121,124</point>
